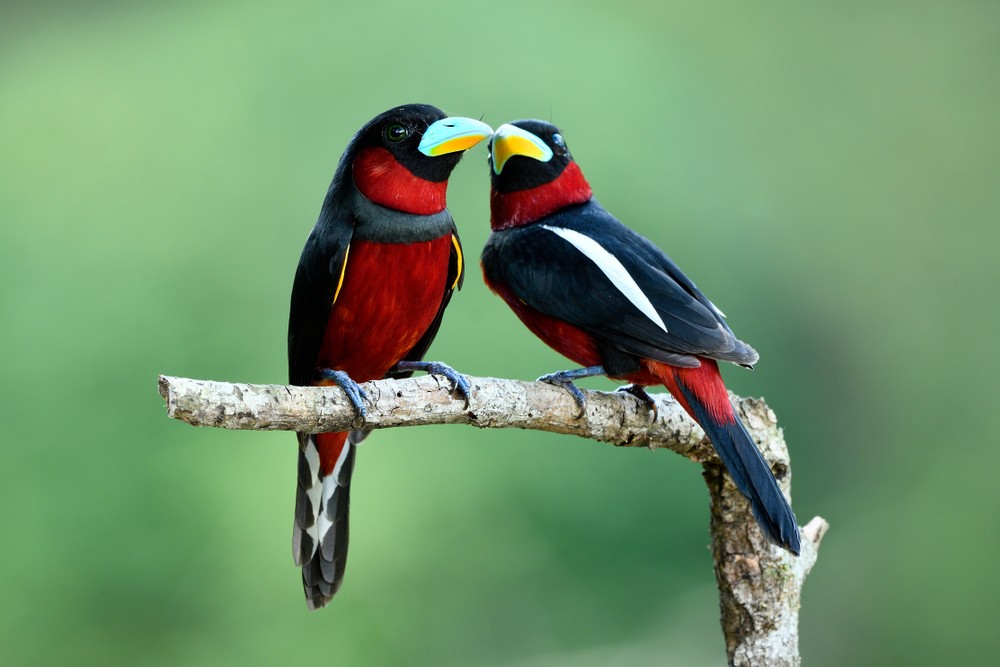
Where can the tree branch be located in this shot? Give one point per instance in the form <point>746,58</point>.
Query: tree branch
<point>759,584</point>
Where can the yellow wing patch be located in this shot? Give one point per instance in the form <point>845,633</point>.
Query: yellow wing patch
<point>343,270</point>
<point>458,263</point>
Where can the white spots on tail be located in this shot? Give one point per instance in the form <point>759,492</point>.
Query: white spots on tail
<point>314,492</point>
<point>613,269</point>
<point>324,522</point>
<point>312,458</point>
<point>341,458</point>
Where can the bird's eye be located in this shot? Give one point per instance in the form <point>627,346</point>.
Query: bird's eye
<point>558,140</point>
<point>396,133</point>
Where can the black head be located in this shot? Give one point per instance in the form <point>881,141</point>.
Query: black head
<point>527,153</point>
<point>413,134</point>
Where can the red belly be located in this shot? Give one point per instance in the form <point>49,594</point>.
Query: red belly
<point>389,297</point>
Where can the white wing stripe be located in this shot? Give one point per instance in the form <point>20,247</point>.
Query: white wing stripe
<point>613,269</point>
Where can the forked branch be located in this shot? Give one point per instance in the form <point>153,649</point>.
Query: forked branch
<point>759,584</point>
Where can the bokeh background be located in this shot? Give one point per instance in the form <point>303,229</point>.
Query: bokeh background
<point>827,172</point>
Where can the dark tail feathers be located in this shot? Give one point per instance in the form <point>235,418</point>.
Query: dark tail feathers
<point>751,474</point>
<point>322,504</point>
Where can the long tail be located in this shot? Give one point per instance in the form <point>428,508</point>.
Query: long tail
<point>701,392</point>
<point>320,535</point>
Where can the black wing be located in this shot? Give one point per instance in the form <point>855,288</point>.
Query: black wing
<point>317,278</point>
<point>456,278</point>
<point>554,276</point>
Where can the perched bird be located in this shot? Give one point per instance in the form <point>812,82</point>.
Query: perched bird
<point>372,284</point>
<point>607,298</point>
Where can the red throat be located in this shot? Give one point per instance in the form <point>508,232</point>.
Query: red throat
<point>511,209</point>
<point>383,180</point>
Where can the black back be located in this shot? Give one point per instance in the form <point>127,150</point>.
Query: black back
<point>553,277</point>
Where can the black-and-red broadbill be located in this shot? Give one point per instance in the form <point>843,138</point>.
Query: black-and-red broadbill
<point>372,284</point>
<point>607,298</point>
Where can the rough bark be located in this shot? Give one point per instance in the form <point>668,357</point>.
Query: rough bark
<point>760,585</point>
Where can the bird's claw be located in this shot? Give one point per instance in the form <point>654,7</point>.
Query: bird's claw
<point>355,394</point>
<point>640,392</point>
<point>459,382</point>
<point>564,379</point>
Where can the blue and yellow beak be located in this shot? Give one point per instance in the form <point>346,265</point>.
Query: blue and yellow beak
<point>450,135</point>
<point>510,140</point>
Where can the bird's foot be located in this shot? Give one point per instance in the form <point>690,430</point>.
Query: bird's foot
<point>355,394</point>
<point>459,382</point>
<point>565,379</point>
<point>640,392</point>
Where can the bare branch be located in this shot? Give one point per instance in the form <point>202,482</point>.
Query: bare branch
<point>616,418</point>
<point>760,585</point>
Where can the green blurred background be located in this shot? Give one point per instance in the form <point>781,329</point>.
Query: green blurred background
<point>827,172</point>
